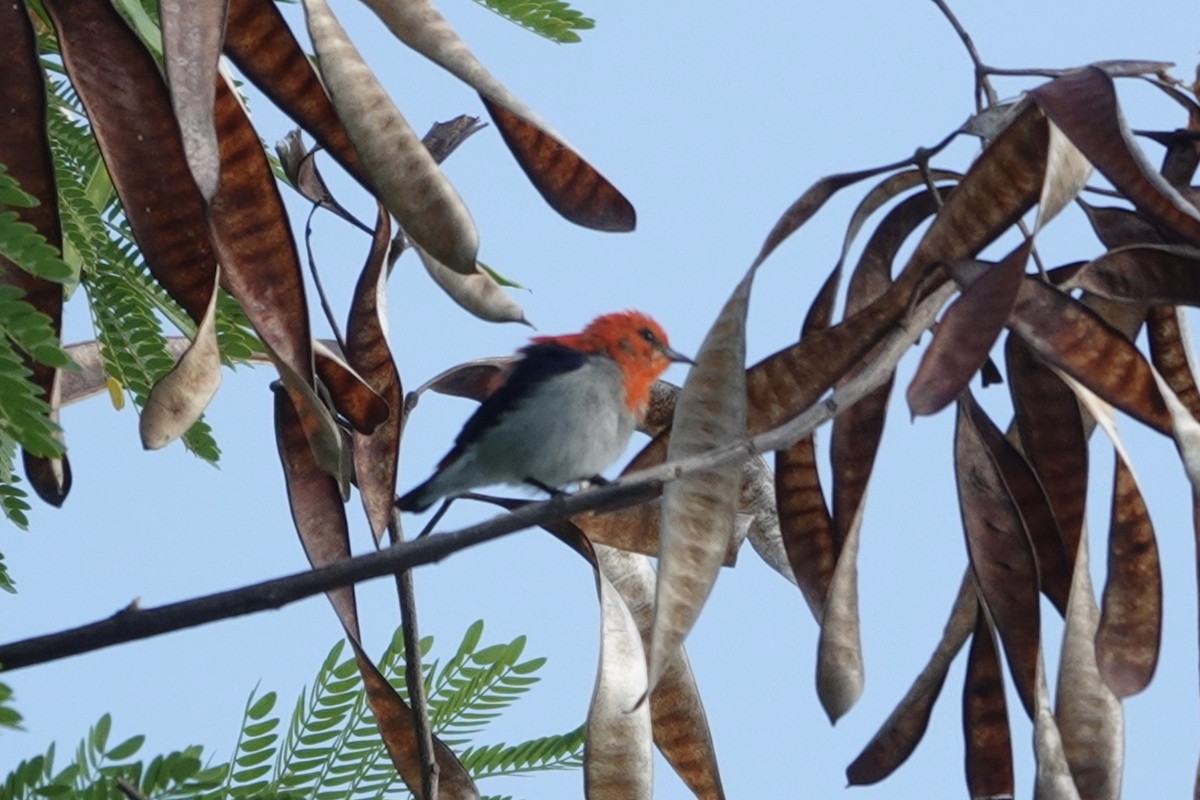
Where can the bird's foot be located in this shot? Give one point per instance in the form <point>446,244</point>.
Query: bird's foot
<point>436,518</point>
<point>545,487</point>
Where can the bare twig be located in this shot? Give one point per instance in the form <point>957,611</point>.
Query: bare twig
<point>413,676</point>
<point>129,790</point>
<point>316,276</point>
<point>984,89</point>
<point>132,625</point>
<point>983,85</point>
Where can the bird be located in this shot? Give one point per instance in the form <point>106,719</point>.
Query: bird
<point>565,411</point>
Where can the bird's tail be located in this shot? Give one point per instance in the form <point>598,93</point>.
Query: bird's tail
<point>418,499</point>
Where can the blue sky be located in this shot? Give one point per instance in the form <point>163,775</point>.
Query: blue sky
<point>711,120</point>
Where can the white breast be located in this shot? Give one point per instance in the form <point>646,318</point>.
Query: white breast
<point>572,427</point>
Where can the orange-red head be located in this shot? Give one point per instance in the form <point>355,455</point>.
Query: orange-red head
<point>632,339</point>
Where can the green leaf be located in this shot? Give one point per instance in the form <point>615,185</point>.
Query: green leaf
<point>328,751</point>
<point>319,737</point>
<point>261,707</point>
<point>338,700</point>
<point>12,504</point>
<point>563,751</point>
<point>182,766</point>
<point>471,638</point>
<point>126,748</point>
<point>259,743</point>
<point>11,193</point>
<point>551,19</point>
<point>6,581</point>
<point>500,279</point>
<point>490,655</point>
<point>10,717</point>
<point>346,668</point>
<point>24,415</point>
<point>260,728</point>
<point>20,242</point>
<point>125,299</point>
<point>347,685</point>
<point>532,665</point>
<point>253,759</point>
<point>98,737</point>
<point>30,330</point>
<point>145,25</point>
<point>247,775</point>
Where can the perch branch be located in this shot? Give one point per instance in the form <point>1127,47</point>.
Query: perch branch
<point>140,623</point>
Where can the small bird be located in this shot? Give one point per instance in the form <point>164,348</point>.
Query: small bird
<point>565,411</point>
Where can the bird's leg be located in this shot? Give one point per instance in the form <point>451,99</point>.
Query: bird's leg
<point>548,489</point>
<point>598,480</point>
<point>436,518</point>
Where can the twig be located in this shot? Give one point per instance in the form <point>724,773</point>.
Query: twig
<point>437,515</point>
<point>316,276</point>
<point>413,676</point>
<point>983,85</point>
<point>129,790</point>
<point>132,625</point>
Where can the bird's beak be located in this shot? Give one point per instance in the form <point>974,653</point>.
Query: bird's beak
<point>676,356</point>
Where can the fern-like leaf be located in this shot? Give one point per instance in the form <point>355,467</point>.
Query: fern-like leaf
<point>552,19</point>
<point>24,415</point>
<point>244,775</point>
<point>9,716</point>
<point>319,726</point>
<point>331,749</point>
<point>20,242</point>
<point>125,299</point>
<point>134,350</point>
<point>235,336</point>
<point>6,584</point>
<point>12,497</point>
<point>30,330</point>
<point>561,751</point>
<point>474,688</point>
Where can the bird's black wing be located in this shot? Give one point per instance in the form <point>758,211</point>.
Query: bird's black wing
<point>539,363</point>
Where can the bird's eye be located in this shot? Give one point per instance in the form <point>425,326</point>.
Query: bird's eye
<point>648,335</point>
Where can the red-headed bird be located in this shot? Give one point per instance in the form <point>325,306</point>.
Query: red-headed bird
<point>565,411</point>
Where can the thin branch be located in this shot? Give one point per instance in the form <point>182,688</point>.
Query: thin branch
<point>134,624</point>
<point>130,791</point>
<point>130,625</point>
<point>316,276</point>
<point>413,676</point>
<point>983,85</point>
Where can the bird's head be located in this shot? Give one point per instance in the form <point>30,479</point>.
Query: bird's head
<point>632,339</point>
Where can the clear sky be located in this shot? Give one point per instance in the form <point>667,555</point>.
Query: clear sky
<point>711,118</point>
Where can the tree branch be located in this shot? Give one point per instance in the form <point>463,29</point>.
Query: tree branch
<point>983,85</point>
<point>133,623</point>
<point>413,675</point>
